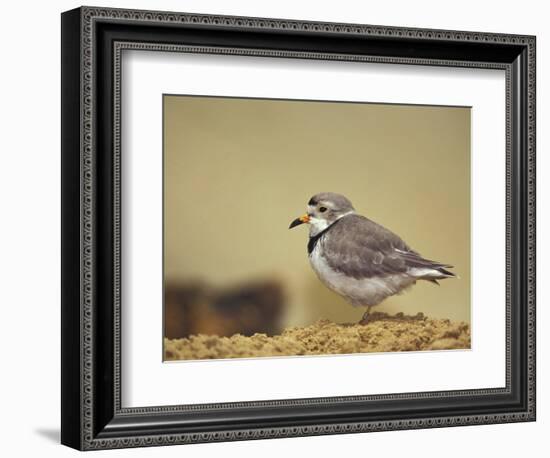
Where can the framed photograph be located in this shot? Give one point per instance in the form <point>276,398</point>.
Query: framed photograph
<point>276,228</point>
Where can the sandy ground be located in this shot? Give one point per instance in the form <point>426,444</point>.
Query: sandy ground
<point>382,333</point>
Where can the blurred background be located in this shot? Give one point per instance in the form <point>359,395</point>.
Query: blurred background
<point>238,171</point>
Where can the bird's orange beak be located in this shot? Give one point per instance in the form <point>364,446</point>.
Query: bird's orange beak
<point>301,220</point>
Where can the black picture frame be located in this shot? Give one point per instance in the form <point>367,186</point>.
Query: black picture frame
<point>92,416</point>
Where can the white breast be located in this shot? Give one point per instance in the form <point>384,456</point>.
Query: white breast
<point>359,292</point>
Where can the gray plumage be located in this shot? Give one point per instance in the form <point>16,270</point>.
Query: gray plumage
<point>361,248</point>
<point>342,203</point>
<point>358,258</point>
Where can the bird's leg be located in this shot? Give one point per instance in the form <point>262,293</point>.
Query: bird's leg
<point>365,318</point>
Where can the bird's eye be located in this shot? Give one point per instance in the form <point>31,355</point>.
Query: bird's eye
<point>322,209</point>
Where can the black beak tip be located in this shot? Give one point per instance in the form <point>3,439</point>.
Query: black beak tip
<point>295,223</point>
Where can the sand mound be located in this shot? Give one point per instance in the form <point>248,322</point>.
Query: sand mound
<point>382,333</point>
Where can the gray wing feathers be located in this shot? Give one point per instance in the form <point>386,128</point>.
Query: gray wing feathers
<point>413,259</point>
<point>361,248</point>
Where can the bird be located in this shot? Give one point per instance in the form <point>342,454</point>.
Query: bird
<point>359,259</point>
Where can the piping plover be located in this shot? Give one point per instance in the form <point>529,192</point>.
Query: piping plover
<point>359,259</point>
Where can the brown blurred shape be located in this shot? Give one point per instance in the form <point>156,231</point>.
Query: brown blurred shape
<point>196,308</point>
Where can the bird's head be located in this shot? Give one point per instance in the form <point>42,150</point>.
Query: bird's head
<point>324,209</point>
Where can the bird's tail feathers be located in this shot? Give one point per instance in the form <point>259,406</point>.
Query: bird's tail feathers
<point>425,269</point>
<point>437,273</point>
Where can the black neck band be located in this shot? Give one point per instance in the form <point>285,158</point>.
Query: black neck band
<point>313,240</point>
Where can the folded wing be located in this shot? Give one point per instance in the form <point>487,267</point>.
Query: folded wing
<point>361,248</point>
